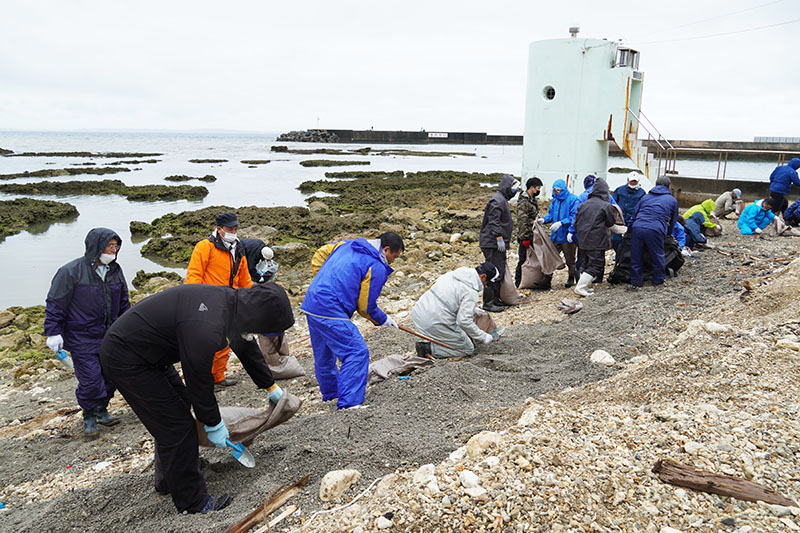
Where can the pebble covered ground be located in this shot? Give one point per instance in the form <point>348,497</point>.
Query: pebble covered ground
<point>526,435</point>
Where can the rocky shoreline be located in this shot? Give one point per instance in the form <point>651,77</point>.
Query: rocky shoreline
<point>525,435</point>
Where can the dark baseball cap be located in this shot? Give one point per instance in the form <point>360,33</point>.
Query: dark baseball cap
<point>227,219</point>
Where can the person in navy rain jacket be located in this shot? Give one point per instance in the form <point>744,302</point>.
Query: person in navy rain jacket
<point>694,233</point>
<point>627,196</point>
<point>350,280</point>
<point>653,219</point>
<point>86,296</point>
<point>792,215</point>
<point>562,211</point>
<point>780,183</point>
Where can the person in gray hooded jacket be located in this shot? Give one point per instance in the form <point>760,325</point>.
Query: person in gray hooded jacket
<point>448,310</point>
<point>495,237</point>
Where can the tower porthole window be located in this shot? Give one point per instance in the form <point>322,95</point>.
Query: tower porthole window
<point>548,93</point>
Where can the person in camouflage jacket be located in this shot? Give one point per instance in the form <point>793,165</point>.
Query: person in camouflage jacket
<point>527,214</point>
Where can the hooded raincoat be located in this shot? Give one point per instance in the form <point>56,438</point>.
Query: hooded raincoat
<point>705,208</point>
<point>563,208</point>
<point>497,220</point>
<point>784,176</point>
<point>446,312</point>
<point>693,226</point>
<point>754,217</point>
<point>81,306</point>
<point>657,210</point>
<point>350,279</point>
<point>593,219</point>
<point>187,324</point>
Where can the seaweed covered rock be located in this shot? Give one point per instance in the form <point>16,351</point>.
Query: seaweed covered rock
<point>16,215</point>
<point>4,151</point>
<point>103,187</point>
<point>331,163</point>
<point>148,281</point>
<point>182,177</point>
<point>55,172</point>
<point>22,345</point>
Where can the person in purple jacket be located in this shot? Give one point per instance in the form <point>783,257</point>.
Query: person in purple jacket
<point>653,219</point>
<point>86,296</point>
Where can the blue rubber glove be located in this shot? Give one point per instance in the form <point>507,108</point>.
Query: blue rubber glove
<point>274,393</point>
<point>217,434</point>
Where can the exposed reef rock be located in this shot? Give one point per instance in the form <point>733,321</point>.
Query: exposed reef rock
<point>208,161</point>
<point>182,177</point>
<point>116,155</point>
<point>16,215</point>
<point>55,172</point>
<point>131,192</point>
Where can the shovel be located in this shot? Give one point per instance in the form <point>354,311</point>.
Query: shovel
<point>241,454</point>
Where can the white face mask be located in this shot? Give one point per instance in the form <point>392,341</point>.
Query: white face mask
<point>228,237</point>
<point>107,258</point>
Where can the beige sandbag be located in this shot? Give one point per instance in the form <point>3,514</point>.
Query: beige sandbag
<point>245,423</point>
<point>276,354</point>
<point>779,228</point>
<point>485,322</point>
<point>542,258</point>
<point>508,292</point>
<point>394,365</point>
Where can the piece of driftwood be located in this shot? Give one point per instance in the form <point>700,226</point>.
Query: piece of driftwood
<point>273,503</point>
<point>290,510</point>
<point>741,489</point>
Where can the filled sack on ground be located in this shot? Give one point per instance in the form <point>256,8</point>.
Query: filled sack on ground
<point>508,292</point>
<point>246,423</point>
<point>394,365</point>
<point>276,354</point>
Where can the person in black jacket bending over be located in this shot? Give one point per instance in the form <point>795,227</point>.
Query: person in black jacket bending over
<point>188,324</point>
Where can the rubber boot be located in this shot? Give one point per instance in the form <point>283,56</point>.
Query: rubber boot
<point>104,417</point>
<point>423,349</point>
<point>90,428</point>
<point>570,280</point>
<point>582,287</point>
<point>489,302</point>
<point>544,283</point>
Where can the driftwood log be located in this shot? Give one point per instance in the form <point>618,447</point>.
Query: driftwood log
<point>741,489</point>
<point>275,501</point>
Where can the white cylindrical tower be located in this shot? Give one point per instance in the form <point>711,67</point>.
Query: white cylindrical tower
<point>581,95</point>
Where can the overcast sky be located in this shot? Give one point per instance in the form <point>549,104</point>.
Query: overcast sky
<point>439,65</point>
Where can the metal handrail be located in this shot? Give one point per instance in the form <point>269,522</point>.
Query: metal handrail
<point>645,128</point>
<point>655,128</point>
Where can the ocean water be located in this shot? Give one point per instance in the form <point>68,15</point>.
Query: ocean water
<point>29,259</point>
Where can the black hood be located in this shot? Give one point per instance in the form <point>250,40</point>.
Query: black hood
<point>96,241</point>
<point>600,190</point>
<point>263,308</point>
<point>505,186</point>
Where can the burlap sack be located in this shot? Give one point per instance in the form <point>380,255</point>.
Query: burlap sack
<point>508,292</point>
<point>779,228</point>
<point>394,365</point>
<point>485,322</point>
<point>276,354</point>
<point>245,423</point>
<point>542,258</point>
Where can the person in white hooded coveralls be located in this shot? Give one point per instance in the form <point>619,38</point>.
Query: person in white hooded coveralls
<point>448,310</point>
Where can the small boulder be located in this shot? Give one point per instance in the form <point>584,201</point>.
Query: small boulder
<point>468,479</point>
<point>6,318</point>
<point>470,236</point>
<point>383,523</point>
<point>480,442</point>
<point>12,341</point>
<point>424,474</point>
<point>336,482</point>
<point>602,357</point>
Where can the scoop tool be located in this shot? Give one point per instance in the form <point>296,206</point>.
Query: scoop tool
<point>241,454</point>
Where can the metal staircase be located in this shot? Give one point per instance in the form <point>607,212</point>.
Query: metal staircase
<point>651,164</point>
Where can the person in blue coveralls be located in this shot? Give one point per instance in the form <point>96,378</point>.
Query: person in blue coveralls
<point>780,183</point>
<point>756,217</point>
<point>653,219</point>
<point>350,279</point>
<point>562,211</point>
<point>627,196</point>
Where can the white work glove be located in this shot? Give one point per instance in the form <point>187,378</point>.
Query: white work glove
<point>488,338</point>
<point>569,237</point>
<point>55,343</point>
<point>540,220</point>
<point>619,229</point>
<point>389,322</point>
<point>501,245</point>
<point>556,225</point>
<point>686,252</point>
<point>480,312</point>
<point>757,230</point>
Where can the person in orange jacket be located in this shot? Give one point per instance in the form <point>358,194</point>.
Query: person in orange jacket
<point>220,260</point>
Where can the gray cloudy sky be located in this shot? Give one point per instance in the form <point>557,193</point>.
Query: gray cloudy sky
<point>441,65</point>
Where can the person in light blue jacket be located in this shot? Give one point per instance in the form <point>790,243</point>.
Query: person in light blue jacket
<point>756,217</point>
<point>562,211</point>
<point>350,279</point>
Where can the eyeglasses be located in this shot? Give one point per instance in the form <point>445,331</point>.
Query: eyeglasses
<point>112,247</point>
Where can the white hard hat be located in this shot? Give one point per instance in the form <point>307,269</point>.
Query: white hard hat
<point>267,253</point>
